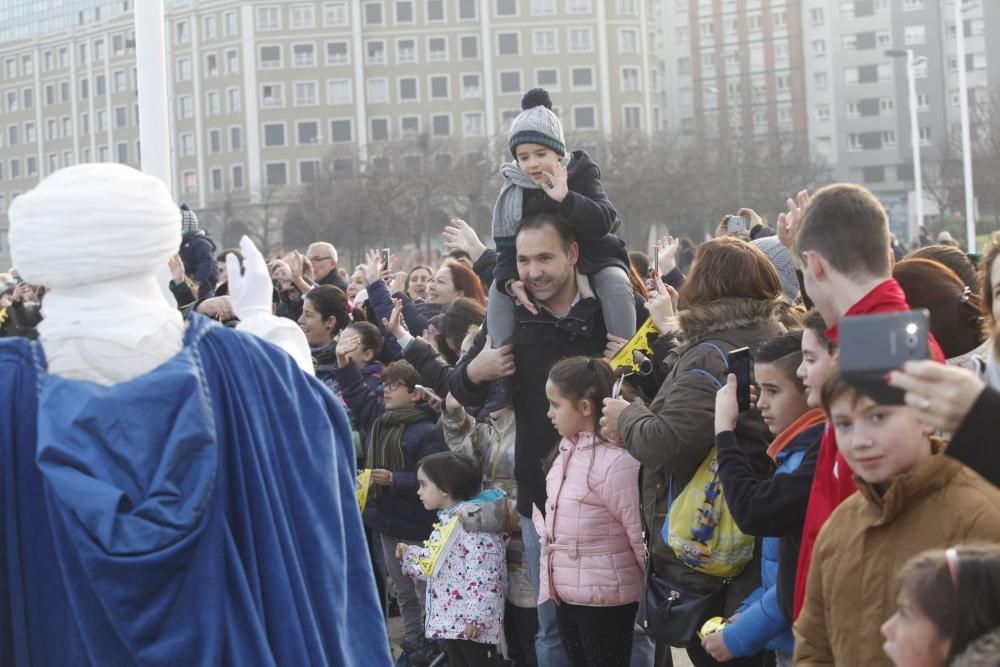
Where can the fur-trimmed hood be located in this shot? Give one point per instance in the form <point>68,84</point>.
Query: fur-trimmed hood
<point>702,320</point>
<point>982,652</point>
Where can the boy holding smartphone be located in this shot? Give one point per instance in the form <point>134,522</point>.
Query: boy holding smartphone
<point>772,508</point>
<point>840,241</point>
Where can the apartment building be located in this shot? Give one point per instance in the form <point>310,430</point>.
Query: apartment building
<point>262,90</point>
<point>818,69</point>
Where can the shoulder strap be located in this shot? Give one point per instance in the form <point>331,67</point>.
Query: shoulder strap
<point>711,376</point>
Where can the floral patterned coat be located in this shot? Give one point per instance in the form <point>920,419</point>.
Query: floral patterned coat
<point>469,588</point>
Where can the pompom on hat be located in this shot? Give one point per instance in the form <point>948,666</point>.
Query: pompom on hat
<point>537,124</point>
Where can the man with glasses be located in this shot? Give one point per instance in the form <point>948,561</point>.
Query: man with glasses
<point>324,260</point>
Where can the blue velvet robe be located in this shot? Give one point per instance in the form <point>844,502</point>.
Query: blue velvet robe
<point>201,514</point>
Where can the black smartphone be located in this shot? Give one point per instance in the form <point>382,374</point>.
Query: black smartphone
<point>385,259</point>
<point>739,365</point>
<point>873,345</point>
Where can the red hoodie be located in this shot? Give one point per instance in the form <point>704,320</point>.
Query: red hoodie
<point>834,480</point>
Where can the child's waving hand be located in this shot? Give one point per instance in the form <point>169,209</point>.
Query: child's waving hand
<point>557,185</point>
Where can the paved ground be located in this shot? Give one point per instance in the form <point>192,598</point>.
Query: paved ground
<point>396,634</point>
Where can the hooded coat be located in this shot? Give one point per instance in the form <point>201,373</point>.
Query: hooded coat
<point>676,431</point>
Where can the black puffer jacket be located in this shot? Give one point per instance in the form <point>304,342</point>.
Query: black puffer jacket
<point>198,254</point>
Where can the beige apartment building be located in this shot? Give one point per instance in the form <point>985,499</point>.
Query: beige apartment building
<point>261,91</point>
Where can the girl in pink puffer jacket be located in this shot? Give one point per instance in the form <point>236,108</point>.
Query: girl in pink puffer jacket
<point>591,536</point>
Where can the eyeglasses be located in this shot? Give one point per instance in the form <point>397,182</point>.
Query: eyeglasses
<point>318,259</point>
<point>393,386</point>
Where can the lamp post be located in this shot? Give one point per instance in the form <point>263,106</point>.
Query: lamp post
<point>911,65</point>
<point>970,202</point>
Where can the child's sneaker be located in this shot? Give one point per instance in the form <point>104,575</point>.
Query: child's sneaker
<point>441,539</point>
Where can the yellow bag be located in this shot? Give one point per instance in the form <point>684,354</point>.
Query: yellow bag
<point>701,529</point>
<point>361,486</point>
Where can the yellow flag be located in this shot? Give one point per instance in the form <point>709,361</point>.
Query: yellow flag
<point>364,481</point>
<point>641,342</point>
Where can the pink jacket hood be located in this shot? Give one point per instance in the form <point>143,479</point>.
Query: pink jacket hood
<point>591,534</point>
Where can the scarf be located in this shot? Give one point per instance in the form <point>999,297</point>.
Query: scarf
<point>805,422</point>
<point>510,203</point>
<point>386,450</point>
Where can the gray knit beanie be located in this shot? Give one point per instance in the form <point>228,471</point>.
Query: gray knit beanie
<point>782,261</point>
<point>189,221</point>
<point>537,124</point>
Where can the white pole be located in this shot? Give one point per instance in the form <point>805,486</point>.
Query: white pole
<point>151,68</point>
<point>915,136</point>
<point>963,95</point>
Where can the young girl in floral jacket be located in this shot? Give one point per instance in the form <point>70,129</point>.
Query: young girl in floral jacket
<point>467,571</point>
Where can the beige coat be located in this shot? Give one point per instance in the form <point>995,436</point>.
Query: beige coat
<point>853,580</point>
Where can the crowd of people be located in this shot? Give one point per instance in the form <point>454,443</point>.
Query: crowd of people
<point>529,499</point>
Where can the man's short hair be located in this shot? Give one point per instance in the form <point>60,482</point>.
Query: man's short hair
<point>847,225</point>
<point>542,220</point>
<point>330,249</point>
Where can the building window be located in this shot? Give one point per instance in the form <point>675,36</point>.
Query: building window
<point>630,79</point>
<point>216,179</point>
<point>237,176</point>
<point>272,95</point>
<point>439,87</point>
<point>888,139</point>
<point>337,53</point>
<point>632,118</point>
<point>185,106</point>
<point>187,145</point>
<point>437,49</point>
<point>404,11</point>
<point>214,103</point>
<point>303,16</point>
<point>467,10</point>
<point>67,127</point>
<point>182,34</point>
<point>308,171</point>
<point>584,118</point>
<point>578,6</point>
<point>183,70</point>
<point>378,91</point>
<point>628,41</point>
<point>235,139</point>
<point>469,46</point>
<point>823,112</point>
<point>268,18</point>
<point>580,40</point>
<point>379,129</point>
<point>121,117</point>
<point>232,62</point>
<point>214,141</point>
<point>304,55</point>
<point>441,125</point>
<point>544,42</point>
<point>435,10</point>
<point>409,125</point>
<point>229,19</point>
<point>274,134</point>
<point>408,89</point>
<point>307,132</point>
<point>582,78</point>
<point>270,57</point>
<point>118,81</point>
<point>472,124</point>
<point>547,79</point>
<point>816,15</point>
<point>335,14</point>
<point>341,130</point>
<point>925,136</point>
<point>375,50</point>
<point>819,47</point>
<point>305,94</point>
<point>471,86</point>
<point>543,7</point>
<point>276,173</point>
<point>339,91</point>
<point>234,100</point>
<point>373,13</point>
<point>210,27</point>
<point>510,82</point>
<point>506,7</point>
<point>923,102</point>
<point>406,51</point>
<point>887,106</point>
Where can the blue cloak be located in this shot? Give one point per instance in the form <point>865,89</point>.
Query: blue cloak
<point>201,514</point>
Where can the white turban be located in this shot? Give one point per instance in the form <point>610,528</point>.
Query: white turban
<point>92,223</point>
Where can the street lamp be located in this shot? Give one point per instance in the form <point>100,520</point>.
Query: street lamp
<point>911,65</point>
<point>970,205</point>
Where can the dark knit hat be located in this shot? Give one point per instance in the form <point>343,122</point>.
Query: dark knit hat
<point>189,221</point>
<point>537,124</point>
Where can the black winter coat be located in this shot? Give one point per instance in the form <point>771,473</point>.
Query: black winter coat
<point>587,210</point>
<point>198,254</point>
<point>399,512</point>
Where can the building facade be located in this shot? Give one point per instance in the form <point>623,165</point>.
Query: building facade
<point>261,91</point>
